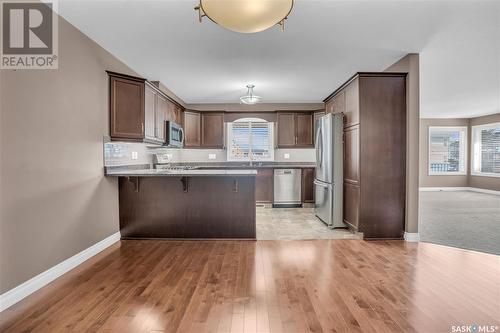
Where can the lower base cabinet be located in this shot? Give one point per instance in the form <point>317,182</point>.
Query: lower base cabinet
<point>264,185</point>
<point>308,185</point>
<point>351,205</point>
<point>187,207</point>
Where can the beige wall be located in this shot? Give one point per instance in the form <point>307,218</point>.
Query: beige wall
<point>55,201</point>
<point>410,64</point>
<point>489,183</point>
<point>437,181</point>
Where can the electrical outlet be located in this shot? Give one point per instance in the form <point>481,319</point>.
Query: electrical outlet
<point>212,156</point>
<point>135,155</point>
<point>286,156</point>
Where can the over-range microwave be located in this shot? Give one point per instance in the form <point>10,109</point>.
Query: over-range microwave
<point>174,135</point>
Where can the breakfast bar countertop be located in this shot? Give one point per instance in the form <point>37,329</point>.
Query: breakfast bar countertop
<point>180,173</point>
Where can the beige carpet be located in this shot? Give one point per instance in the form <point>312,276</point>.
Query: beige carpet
<point>463,219</point>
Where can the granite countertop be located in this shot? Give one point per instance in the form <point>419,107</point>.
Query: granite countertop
<point>255,165</point>
<point>179,173</point>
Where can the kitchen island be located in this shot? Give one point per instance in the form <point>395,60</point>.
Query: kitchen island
<point>186,204</point>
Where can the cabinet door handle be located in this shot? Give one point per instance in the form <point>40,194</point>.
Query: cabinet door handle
<point>142,128</point>
<point>235,186</point>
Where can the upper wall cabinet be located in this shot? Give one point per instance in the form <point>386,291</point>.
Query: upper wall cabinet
<point>317,114</point>
<point>212,130</point>
<point>203,129</point>
<point>192,125</point>
<point>126,105</point>
<point>138,110</point>
<point>295,129</point>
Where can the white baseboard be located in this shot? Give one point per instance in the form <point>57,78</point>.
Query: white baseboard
<point>16,294</point>
<point>482,190</point>
<point>447,189</point>
<point>412,236</point>
<point>450,189</point>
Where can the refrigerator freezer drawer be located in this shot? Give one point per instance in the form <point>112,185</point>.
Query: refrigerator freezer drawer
<point>323,201</point>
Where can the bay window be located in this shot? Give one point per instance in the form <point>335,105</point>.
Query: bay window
<point>486,150</point>
<point>447,150</point>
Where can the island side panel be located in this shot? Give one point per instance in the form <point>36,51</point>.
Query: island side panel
<point>212,207</point>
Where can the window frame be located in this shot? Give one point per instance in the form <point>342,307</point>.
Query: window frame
<point>464,149</point>
<point>475,157</point>
<point>231,158</point>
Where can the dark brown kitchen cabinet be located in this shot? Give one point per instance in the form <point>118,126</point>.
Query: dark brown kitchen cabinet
<point>192,132</point>
<point>374,152</point>
<point>286,129</point>
<point>126,105</point>
<point>338,103</point>
<point>162,114</point>
<point>317,114</point>
<point>150,100</point>
<point>212,130</point>
<point>308,185</point>
<point>351,205</point>
<point>295,129</point>
<point>351,155</point>
<point>304,128</point>
<point>178,116</point>
<point>352,103</point>
<point>264,183</point>
<point>138,109</point>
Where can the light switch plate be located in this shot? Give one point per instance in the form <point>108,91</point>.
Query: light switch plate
<point>212,156</point>
<point>135,155</point>
<point>286,156</point>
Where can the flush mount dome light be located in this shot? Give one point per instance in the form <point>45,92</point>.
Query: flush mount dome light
<point>246,16</point>
<point>250,98</point>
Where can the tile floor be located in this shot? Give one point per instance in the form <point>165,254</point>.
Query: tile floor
<point>295,223</point>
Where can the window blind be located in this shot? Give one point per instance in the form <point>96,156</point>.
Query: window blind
<point>446,150</point>
<point>240,135</point>
<point>260,139</point>
<point>250,139</point>
<point>486,145</point>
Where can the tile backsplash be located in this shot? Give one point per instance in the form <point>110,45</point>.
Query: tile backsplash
<point>127,153</point>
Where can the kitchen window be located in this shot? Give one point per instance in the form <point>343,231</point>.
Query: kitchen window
<point>486,150</point>
<point>447,150</point>
<point>250,139</point>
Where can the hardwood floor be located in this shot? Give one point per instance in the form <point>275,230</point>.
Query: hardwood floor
<point>267,286</point>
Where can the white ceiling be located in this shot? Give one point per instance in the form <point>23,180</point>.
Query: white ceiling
<point>325,42</point>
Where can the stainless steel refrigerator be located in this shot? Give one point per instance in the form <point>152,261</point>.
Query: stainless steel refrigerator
<point>328,180</point>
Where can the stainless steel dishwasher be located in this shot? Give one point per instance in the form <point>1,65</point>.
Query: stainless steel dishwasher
<point>287,188</point>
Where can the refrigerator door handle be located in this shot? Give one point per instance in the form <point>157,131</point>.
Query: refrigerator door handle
<point>319,149</point>
<point>320,184</point>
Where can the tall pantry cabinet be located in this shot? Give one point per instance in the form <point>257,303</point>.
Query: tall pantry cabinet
<point>374,107</point>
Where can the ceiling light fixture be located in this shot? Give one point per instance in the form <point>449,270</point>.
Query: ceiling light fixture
<point>246,16</point>
<point>250,98</point>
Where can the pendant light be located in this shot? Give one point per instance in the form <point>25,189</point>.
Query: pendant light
<point>250,98</point>
<point>246,16</point>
